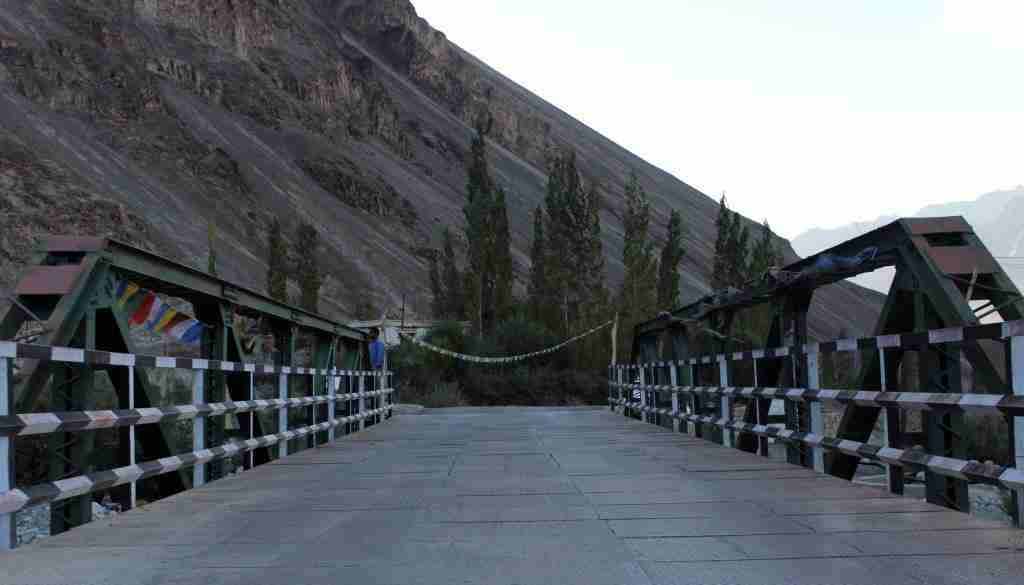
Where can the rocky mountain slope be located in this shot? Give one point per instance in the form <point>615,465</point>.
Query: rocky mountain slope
<point>148,119</point>
<point>997,217</point>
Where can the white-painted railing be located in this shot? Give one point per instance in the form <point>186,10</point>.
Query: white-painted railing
<point>14,498</point>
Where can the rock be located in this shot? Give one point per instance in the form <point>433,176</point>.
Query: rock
<point>32,524</point>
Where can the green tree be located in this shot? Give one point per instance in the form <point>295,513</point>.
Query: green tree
<point>575,255</point>
<point>211,254</point>
<point>277,271</point>
<point>638,295</point>
<point>668,268</point>
<point>308,267</point>
<point>439,304</point>
<point>737,249</point>
<point>538,289</point>
<point>723,230</point>
<point>489,272</point>
<point>764,255</point>
<point>501,263</point>
<point>451,280</point>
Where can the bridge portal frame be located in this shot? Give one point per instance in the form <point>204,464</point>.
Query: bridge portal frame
<point>69,290</point>
<point>941,267</point>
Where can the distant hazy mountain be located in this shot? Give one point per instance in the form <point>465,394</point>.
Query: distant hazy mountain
<point>997,217</point>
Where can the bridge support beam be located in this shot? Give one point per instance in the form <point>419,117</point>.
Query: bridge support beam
<point>673,380</point>
<point>695,428</point>
<point>8,525</point>
<point>361,403</point>
<point>1017,429</point>
<point>725,404</point>
<point>282,415</point>
<point>332,392</point>
<point>644,415</point>
<point>891,424</point>
<point>815,411</point>
<point>199,428</point>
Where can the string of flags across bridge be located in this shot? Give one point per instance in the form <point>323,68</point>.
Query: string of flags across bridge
<point>505,359</point>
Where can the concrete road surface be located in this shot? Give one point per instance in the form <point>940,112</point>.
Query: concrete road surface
<point>520,496</point>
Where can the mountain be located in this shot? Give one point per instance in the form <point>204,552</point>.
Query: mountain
<point>997,218</point>
<point>150,119</point>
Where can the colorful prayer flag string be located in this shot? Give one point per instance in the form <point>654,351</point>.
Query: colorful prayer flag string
<point>149,311</point>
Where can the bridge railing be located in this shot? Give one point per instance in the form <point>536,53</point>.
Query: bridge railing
<point>365,397</point>
<point>631,389</point>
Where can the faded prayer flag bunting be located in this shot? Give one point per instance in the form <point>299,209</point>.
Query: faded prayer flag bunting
<point>152,313</point>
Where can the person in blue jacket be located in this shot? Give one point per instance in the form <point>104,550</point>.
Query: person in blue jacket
<point>377,350</point>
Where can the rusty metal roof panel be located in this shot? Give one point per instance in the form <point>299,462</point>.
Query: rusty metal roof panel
<point>48,280</point>
<point>961,260</point>
<point>920,226</point>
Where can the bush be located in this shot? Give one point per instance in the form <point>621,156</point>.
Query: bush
<point>522,386</point>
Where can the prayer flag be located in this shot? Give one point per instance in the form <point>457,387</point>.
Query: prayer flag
<point>156,312</point>
<point>169,315</point>
<point>178,330</point>
<point>193,333</point>
<point>142,313</point>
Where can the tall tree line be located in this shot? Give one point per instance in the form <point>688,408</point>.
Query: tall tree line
<point>566,290</point>
<point>651,282</point>
<point>483,290</point>
<point>736,260</point>
<point>305,268</point>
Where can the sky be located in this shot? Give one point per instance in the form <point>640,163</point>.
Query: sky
<point>807,113</point>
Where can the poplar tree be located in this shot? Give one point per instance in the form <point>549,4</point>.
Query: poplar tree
<point>737,249</point>
<point>501,264</point>
<point>763,256</point>
<point>488,279</point>
<point>277,273</point>
<point>211,258</point>
<point>668,268</point>
<point>576,258</point>
<point>308,268</point>
<point>437,292</point>
<point>538,289</point>
<point>723,227</point>
<point>451,279</point>
<point>638,295</point>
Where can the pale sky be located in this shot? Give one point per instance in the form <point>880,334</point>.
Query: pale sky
<point>810,113</point>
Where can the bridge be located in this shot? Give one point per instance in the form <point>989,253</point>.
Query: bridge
<point>278,456</point>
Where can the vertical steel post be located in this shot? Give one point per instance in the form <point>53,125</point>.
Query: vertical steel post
<point>198,427</point>
<point>332,392</point>
<point>622,380</point>
<point>673,381</point>
<point>1017,374</point>
<point>815,410</point>
<point>696,428</point>
<point>795,453</point>
<point>8,525</point>
<point>761,409</point>
<point>643,393</point>
<point>313,388</point>
<point>361,404</point>
<point>890,430</point>
<point>725,402</point>
<point>131,431</point>
<point>252,418</point>
<point>282,415</point>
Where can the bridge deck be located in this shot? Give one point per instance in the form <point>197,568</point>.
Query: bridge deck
<point>527,496</point>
